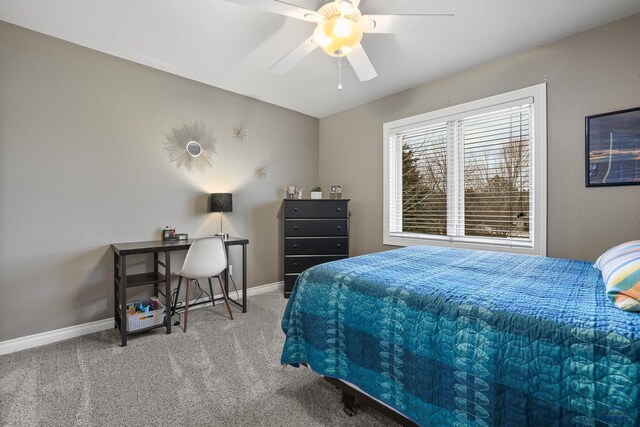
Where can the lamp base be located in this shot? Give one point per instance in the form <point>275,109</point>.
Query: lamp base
<point>225,236</point>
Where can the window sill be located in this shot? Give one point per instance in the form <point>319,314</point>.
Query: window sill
<point>411,241</point>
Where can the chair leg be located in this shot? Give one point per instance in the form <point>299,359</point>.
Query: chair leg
<point>186,306</point>
<point>213,301</point>
<point>224,295</point>
<point>175,304</point>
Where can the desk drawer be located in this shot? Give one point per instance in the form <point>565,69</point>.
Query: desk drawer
<point>317,246</point>
<point>298,264</point>
<point>313,228</point>
<point>316,209</point>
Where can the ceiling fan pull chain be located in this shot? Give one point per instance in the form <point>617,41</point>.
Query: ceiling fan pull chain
<point>339,71</point>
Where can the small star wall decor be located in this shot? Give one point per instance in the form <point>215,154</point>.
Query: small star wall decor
<point>260,172</point>
<point>239,134</point>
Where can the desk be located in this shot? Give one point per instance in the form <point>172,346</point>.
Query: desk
<point>122,281</point>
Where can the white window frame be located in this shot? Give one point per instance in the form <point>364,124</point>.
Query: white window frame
<point>538,94</point>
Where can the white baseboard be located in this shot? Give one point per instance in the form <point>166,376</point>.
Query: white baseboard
<point>37,340</point>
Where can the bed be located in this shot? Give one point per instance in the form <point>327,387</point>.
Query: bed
<point>458,337</point>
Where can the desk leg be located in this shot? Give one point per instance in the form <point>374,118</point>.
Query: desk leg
<point>116,301</point>
<point>244,278</point>
<point>167,298</point>
<point>123,300</point>
<point>155,270</point>
<point>226,271</point>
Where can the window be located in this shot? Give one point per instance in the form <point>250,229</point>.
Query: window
<point>472,175</point>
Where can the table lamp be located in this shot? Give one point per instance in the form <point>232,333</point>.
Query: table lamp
<point>220,202</point>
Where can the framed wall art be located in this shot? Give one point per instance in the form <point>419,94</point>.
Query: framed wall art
<point>613,148</point>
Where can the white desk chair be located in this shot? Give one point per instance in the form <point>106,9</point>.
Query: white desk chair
<point>205,259</point>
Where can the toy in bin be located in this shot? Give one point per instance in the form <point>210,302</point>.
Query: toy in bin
<point>140,307</point>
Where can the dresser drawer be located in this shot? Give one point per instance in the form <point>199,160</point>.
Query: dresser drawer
<point>298,264</point>
<point>317,246</point>
<point>314,228</point>
<point>316,209</point>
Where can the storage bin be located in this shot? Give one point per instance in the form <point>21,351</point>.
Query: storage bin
<point>145,320</point>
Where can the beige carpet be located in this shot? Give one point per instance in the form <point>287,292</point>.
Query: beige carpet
<point>219,373</point>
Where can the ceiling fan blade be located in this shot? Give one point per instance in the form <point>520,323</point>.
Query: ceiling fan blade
<point>354,3</point>
<point>407,24</point>
<point>294,56</point>
<point>361,65</point>
<point>281,8</point>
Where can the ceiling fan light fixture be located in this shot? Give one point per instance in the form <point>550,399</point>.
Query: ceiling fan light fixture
<point>346,36</point>
<point>342,27</point>
<point>320,37</point>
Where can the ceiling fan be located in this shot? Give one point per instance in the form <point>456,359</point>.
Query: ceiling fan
<point>339,29</point>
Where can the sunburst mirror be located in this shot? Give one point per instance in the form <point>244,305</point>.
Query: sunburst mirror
<point>191,147</point>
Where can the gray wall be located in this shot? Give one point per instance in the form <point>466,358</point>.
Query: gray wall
<point>82,165</point>
<point>589,73</point>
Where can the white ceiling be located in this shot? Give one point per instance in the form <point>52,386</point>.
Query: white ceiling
<point>232,46</point>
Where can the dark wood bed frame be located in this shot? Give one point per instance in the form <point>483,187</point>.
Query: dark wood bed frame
<point>350,395</point>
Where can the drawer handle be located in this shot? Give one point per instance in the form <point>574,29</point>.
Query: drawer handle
<point>295,227</point>
<point>295,264</point>
<point>339,209</point>
<point>339,227</point>
<point>338,245</point>
<point>295,209</point>
<point>295,246</point>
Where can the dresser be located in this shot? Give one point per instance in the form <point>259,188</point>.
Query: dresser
<point>315,231</point>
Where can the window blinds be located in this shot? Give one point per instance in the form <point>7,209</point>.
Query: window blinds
<point>468,177</point>
<point>424,180</point>
<point>496,182</point>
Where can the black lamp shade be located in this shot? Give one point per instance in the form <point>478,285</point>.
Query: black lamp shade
<point>220,202</point>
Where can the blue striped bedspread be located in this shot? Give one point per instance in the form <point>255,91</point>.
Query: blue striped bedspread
<point>457,337</point>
